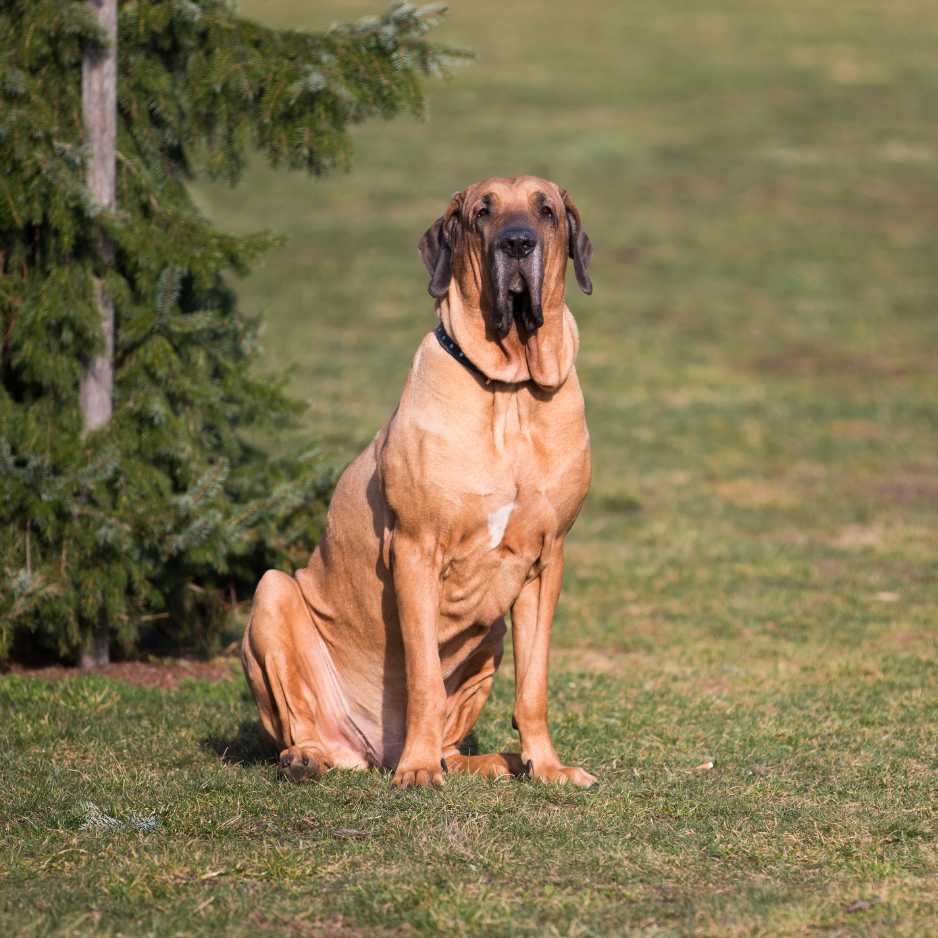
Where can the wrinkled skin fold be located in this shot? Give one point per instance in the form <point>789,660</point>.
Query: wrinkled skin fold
<point>381,652</point>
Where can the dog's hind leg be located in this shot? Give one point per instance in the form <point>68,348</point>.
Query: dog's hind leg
<point>464,703</point>
<point>289,670</point>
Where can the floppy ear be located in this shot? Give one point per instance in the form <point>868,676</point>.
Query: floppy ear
<point>579,246</point>
<point>436,249</point>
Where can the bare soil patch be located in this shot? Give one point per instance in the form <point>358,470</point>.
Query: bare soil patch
<point>166,674</point>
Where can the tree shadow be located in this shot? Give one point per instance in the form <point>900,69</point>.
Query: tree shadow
<point>247,747</point>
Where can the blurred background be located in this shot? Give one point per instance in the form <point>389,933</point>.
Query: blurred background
<point>760,354</point>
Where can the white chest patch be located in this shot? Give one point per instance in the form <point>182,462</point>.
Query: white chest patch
<point>498,521</point>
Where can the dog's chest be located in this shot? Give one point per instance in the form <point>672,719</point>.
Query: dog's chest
<point>535,488</point>
<point>491,478</point>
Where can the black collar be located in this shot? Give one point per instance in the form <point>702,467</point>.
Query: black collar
<point>452,346</point>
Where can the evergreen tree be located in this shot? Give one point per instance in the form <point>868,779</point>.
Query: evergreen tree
<point>144,523</point>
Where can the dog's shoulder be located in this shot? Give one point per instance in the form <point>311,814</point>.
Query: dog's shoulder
<point>434,434</point>
<point>441,404</point>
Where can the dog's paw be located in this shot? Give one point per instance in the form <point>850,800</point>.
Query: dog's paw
<point>560,774</point>
<point>491,765</point>
<point>413,772</point>
<point>299,764</point>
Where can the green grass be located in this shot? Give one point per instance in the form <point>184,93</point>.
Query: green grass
<point>753,579</point>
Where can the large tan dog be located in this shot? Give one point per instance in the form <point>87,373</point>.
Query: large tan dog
<point>382,651</point>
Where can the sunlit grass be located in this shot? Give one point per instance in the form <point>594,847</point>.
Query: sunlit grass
<point>751,583</point>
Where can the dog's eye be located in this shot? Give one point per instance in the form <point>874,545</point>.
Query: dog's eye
<point>547,211</point>
<point>482,213</point>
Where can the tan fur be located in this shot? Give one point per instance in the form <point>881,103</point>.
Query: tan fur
<point>382,650</point>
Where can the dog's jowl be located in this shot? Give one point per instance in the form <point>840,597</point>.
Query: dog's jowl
<point>382,650</point>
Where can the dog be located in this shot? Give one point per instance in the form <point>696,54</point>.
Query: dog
<point>381,652</point>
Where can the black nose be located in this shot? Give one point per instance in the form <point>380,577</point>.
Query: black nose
<point>517,242</point>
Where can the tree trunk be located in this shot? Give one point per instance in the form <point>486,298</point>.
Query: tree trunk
<point>99,113</point>
<point>97,648</point>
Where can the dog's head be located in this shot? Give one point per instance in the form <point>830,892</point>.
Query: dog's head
<point>505,241</point>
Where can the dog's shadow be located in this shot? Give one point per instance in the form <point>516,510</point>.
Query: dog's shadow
<point>470,745</point>
<point>247,746</point>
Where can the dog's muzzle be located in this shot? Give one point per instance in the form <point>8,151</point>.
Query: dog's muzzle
<point>517,273</point>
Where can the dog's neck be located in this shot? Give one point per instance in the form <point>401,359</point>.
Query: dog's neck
<point>545,358</point>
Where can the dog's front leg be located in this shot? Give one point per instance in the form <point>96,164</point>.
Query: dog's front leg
<point>532,618</point>
<point>415,566</point>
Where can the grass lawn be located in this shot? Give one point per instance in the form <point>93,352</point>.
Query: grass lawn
<point>753,583</point>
